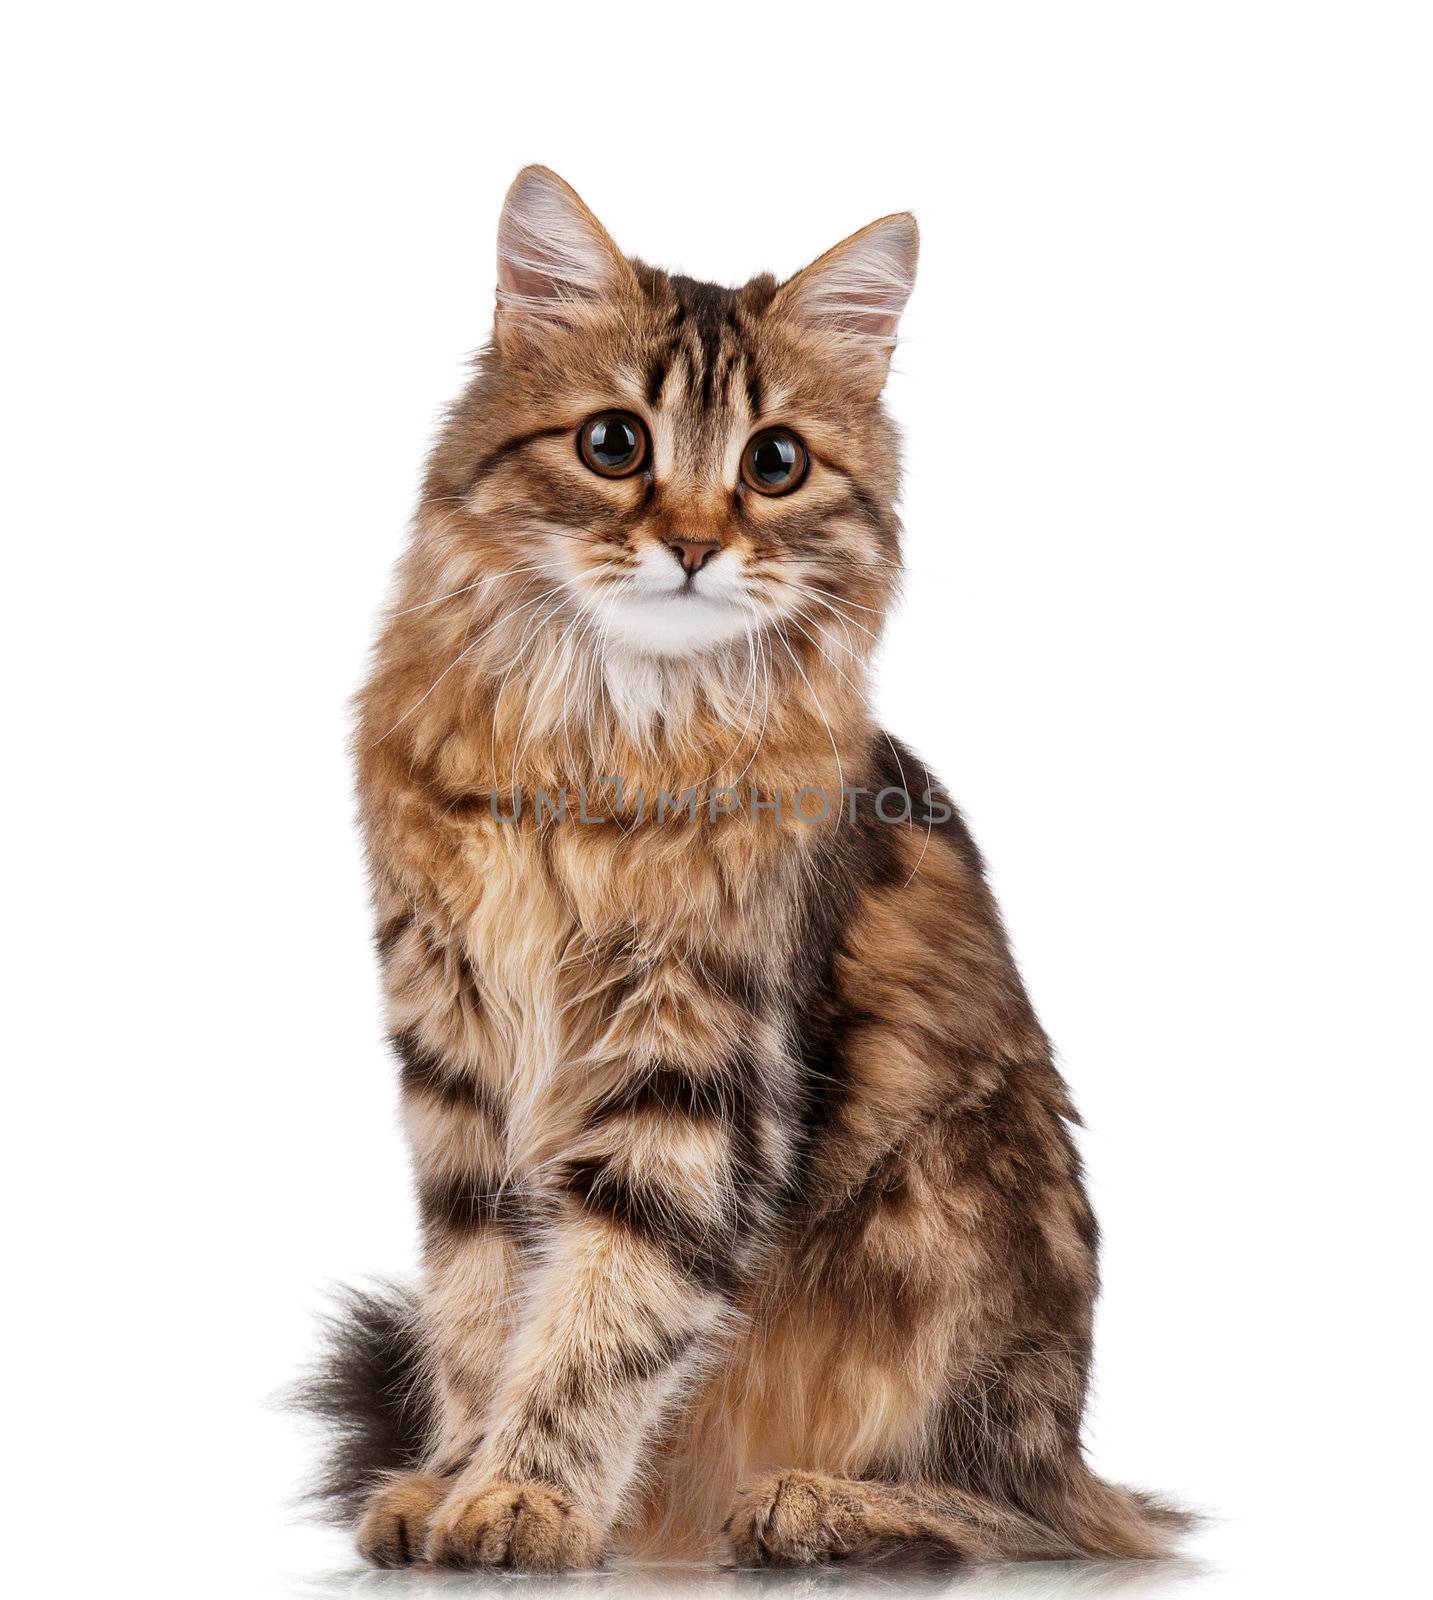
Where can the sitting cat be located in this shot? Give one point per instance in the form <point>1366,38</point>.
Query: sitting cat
<point>752,1222</point>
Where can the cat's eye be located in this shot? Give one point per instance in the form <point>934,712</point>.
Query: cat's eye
<point>774,462</point>
<point>613,444</point>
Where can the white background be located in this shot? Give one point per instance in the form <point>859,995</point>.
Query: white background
<point>1166,395</point>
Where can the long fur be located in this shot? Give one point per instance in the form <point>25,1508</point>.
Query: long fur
<point>753,1221</point>
<point>368,1392</point>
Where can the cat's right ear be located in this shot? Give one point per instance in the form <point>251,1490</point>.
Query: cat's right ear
<point>555,260</point>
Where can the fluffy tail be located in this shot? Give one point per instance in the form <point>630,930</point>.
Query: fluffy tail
<point>1074,1516</point>
<point>370,1392</point>
<point>1090,1517</point>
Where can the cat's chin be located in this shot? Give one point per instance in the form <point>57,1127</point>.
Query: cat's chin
<point>671,626</point>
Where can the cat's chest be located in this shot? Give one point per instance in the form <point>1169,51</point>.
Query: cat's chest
<point>558,925</point>
<point>519,919</point>
<point>539,904</point>
<point>540,939</point>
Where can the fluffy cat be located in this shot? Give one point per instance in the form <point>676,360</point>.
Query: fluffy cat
<point>752,1223</point>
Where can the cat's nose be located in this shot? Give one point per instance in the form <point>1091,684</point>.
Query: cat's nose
<point>693,553</point>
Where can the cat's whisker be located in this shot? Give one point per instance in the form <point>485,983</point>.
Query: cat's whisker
<point>860,688</point>
<point>830,595</point>
<point>905,782</point>
<point>748,695</point>
<point>860,658</point>
<point>468,588</point>
<point>826,598</point>
<point>537,673</point>
<point>816,702</point>
<point>765,711</point>
<point>560,590</point>
<point>462,655</point>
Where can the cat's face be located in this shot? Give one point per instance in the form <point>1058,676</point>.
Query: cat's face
<point>682,468</point>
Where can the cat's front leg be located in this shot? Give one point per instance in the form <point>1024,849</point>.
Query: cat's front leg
<point>473,1219</point>
<point>660,1209</point>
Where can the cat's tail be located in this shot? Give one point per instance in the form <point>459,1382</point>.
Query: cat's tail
<point>1080,1515</point>
<point>1103,1519</point>
<point>370,1393</point>
<point>1069,1516</point>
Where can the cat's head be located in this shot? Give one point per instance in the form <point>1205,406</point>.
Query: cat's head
<point>678,468</point>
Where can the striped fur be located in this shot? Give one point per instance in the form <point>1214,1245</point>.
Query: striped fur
<point>752,1222</point>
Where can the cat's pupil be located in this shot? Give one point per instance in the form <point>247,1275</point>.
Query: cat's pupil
<point>613,441</point>
<point>773,459</point>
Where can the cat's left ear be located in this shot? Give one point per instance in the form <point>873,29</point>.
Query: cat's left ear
<point>854,295</point>
<point>555,259</point>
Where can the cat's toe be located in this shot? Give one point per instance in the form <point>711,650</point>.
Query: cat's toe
<point>802,1518</point>
<point>394,1529</point>
<point>525,1527</point>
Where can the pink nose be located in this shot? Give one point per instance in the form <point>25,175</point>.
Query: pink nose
<point>694,553</point>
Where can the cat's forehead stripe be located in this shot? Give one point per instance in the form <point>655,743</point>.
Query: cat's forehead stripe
<point>709,340</point>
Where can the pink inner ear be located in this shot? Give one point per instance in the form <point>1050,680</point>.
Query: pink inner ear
<point>533,279</point>
<point>532,266</point>
<point>868,313</point>
<point>859,290</point>
<point>550,247</point>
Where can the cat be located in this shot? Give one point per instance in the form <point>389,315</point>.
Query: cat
<point>752,1225</point>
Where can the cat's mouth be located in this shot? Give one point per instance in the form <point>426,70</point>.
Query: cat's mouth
<point>688,590</point>
<point>652,609</point>
<point>675,620</point>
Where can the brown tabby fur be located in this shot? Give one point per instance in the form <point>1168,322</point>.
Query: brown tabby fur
<point>752,1221</point>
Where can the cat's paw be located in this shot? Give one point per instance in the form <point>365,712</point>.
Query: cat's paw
<point>800,1518</point>
<point>394,1529</point>
<point>528,1527</point>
